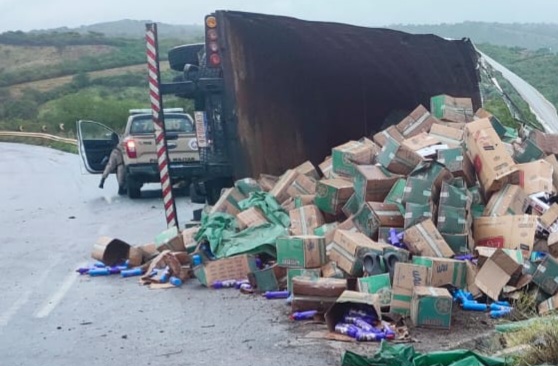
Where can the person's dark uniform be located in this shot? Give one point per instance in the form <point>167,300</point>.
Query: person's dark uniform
<point>115,164</point>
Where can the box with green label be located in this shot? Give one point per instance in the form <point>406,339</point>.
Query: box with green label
<point>418,191</point>
<point>527,152</point>
<point>378,284</point>
<point>352,206</point>
<point>346,156</point>
<point>448,108</point>
<point>366,220</point>
<point>373,183</point>
<point>301,272</point>
<point>332,194</point>
<point>395,195</point>
<point>417,212</point>
<point>458,163</point>
<point>431,307</point>
<point>459,243</point>
<point>546,276</point>
<point>444,271</point>
<point>454,196</point>
<point>398,158</point>
<point>303,251</point>
<point>453,220</point>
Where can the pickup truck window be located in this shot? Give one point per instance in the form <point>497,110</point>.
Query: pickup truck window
<point>173,123</point>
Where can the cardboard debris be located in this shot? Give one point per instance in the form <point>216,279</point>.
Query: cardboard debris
<point>419,120</point>
<point>170,239</point>
<point>228,202</point>
<point>425,240</point>
<point>431,307</point>
<point>444,271</point>
<point>348,300</point>
<point>390,133</point>
<point>251,217</point>
<point>347,156</point>
<point>536,177</point>
<point>110,251</point>
<point>304,251</point>
<point>496,273</point>
<point>510,232</point>
<point>546,276</point>
<point>348,249</point>
<point>305,219</point>
<point>332,194</point>
<point>311,273</point>
<point>452,109</point>
<point>398,158</point>
<point>373,183</point>
<point>379,285</point>
<point>447,135</point>
<point>233,268</point>
<point>510,200</point>
<point>308,169</point>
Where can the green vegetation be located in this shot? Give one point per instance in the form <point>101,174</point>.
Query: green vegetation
<point>540,341</point>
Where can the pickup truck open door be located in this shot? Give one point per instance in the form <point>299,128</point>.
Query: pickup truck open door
<point>95,143</point>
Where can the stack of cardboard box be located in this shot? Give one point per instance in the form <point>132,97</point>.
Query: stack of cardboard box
<point>439,184</point>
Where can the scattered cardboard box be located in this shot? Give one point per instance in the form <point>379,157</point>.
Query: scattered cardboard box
<point>536,177</point>
<point>493,164</point>
<point>453,137</point>
<point>352,206</point>
<point>546,276</point>
<point>547,142</point>
<point>267,182</point>
<point>110,251</point>
<point>251,217</point>
<point>316,293</point>
<point>308,169</point>
<point>496,273</point>
<point>415,213</point>
<point>458,163</point>
<point>409,275</point>
<point>280,190</point>
<point>304,251</point>
<point>228,202</point>
<point>425,240</point>
<point>431,307</point>
<point>510,232</point>
<point>232,268</point>
<point>419,120</point>
<point>305,219</point>
<point>332,194</point>
<point>347,156</point>
<point>379,285</point>
<point>549,219</point>
<point>351,300</point>
<point>397,158</point>
<point>553,244</point>
<point>373,183</point>
<point>170,239</point>
<point>390,133</point>
<point>548,305</point>
<point>452,109</point>
<point>349,247</point>
<point>510,200</point>
<point>189,238</point>
<point>444,271</point>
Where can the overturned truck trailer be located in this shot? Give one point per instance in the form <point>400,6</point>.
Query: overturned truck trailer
<point>277,91</point>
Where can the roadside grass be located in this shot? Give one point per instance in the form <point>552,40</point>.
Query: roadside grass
<point>541,339</point>
<point>69,148</point>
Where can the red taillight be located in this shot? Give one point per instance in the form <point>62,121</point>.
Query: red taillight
<point>215,59</point>
<point>131,149</point>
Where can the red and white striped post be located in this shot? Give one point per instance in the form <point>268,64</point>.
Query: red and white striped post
<point>159,122</point>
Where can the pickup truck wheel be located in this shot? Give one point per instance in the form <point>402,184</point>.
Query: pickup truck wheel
<point>134,188</point>
<point>195,196</point>
<point>182,55</point>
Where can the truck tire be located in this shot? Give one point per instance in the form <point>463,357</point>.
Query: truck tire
<point>195,195</point>
<point>185,54</point>
<point>133,187</point>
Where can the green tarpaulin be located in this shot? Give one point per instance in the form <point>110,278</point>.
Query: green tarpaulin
<point>220,229</point>
<point>405,355</point>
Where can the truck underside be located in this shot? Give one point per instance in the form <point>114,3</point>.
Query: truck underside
<point>294,89</point>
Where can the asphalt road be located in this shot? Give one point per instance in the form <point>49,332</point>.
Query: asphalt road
<point>51,213</point>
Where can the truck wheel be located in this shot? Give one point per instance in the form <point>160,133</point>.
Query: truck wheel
<point>213,189</point>
<point>133,187</point>
<point>182,55</point>
<point>195,195</point>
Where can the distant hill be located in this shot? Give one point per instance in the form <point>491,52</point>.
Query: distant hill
<point>128,28</point>
<point>524,35</point>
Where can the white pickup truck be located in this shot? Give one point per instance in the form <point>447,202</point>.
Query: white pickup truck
<point>139,148</point>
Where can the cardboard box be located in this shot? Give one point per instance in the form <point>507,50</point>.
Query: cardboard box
<point>397,158</point>
<point>510,200</point>
<point>421,141</point>
<point>228,202</point>
<point>553,244</point>
<point>170,239</point>
<point>459,243</point>
<point>232,268</point>
<point>272,278</point>
<point>419,120</point>
<point>267,182</point>
<point>301,272</point>
<point>548,305</point>
<point>536,177</point>
<point>458,163</point>
<point>373,183</point>
<point>330,270</point>
<point>379,285</point>
<point>308,169</point>
<point>247,186</point>
<point>395,194</point>
<point>401,301</point>
<point>453,109</point>
<point>332,194</point>
<point>453,220</point>
<point>348,249</point>
<point>347,156</point>
<point>433,172</point>
<point>510,232</point>
<point>326,167</point>
<point>148,251</point>
<point>251,217</point>
<point>431,307</point>
<point>390,133</point>
<point>483,253</point>
<point>549,219</point>
<point>552,160</point>
<point>298,201</point>
<point>527,151</point>
<point>316,293</point>
<point>417,190</point>
<point>547,142</point>
<point>444,271</point>
<point>305,219</point>
<point>304,251</point>
<point>388,214</point>
<point>425,240</point>
<point>451,196</point>
<point>352,206</point>
<point>189,238</point>
<point>349,300</point>
<point>366,220</point>
<point>496,273</point>
<point>451,136</point>
<point>546,276</point>
<point>409,275</point>
<point>327,231</point>
<point>492,163</point>
<point>303,185</point>
<point>280,190</point>
<point>416,213</point>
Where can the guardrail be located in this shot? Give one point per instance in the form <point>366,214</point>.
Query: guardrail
<point>45,136</point>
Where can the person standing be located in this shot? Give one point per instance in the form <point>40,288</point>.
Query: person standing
<point>115,164</point>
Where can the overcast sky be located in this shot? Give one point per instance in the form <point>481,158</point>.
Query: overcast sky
<point>40,14</point>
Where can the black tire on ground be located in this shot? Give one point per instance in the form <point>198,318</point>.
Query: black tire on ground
<point>195,195</point>
<point>185,54</point>
<point>133,187</point>
<point>213,189</point>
